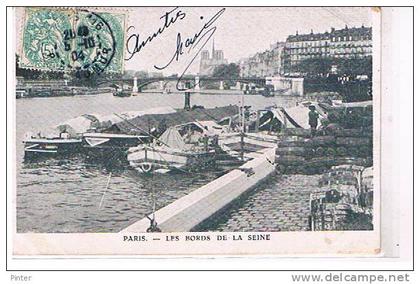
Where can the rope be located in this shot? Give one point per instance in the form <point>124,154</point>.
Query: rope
<point>106,187</point>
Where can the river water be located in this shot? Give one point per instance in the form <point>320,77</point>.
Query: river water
<point>65,195</point>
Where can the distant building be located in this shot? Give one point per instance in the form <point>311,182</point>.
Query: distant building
<point>263,64</point>
<point>155,74</point>
<point>343,43</point>
<point>209,63</point>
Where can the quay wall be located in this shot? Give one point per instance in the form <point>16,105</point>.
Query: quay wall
<point>189,211</point>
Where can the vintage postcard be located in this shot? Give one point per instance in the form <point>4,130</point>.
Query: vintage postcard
<point>196,131</point>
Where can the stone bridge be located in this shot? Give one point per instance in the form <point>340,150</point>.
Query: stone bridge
<point>139,83</point>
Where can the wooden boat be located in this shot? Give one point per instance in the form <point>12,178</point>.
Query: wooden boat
<point>53,146</point>
<point>112,140</point>
<point>122,93</point>
<point>246,146</point>
<point>88,132</point>
<point>65,138</point>
<point>171,152</point>
<point>110,147</point>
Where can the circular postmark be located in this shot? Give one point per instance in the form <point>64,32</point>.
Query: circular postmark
<point>75,40</point>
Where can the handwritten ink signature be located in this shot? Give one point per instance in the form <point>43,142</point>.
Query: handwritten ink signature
<point>134,44</point>
<point>204,35</point>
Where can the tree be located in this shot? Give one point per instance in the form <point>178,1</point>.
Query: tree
<point>128,74</point>
<point>141,74</point>
<point>314,67</point>
<point>228,71</point>
<point>355,66</point>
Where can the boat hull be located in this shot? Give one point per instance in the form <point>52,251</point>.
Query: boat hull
<point>109,146</point>
<point>162,159</point>
<point>253,144</point>
<point>35,148</point>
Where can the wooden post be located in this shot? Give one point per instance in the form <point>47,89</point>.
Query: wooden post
<point>187,97</point>
<point>242,146</point>
<point>257,122</point>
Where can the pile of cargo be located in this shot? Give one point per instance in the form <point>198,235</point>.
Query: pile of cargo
<point>344,201</point>
<point>299,153</point>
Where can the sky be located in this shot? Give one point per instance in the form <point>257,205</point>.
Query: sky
<point>240,31</point>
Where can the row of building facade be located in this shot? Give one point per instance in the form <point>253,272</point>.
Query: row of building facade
<point>263,64</point>
<point>349,43</point>
<point>284,57</point>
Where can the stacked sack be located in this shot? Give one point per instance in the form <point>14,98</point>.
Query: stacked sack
<point>299,153</point>
<point>344,201</point>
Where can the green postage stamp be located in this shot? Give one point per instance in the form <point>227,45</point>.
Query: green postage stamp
<point>72,40</point>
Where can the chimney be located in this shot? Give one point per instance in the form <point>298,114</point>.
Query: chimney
<point>332,30</point>
<point>297,33</point>
<point>312,31</point>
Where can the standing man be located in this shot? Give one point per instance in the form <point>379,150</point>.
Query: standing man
<point>313,119</point>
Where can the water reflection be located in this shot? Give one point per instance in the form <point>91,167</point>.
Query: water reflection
<point>64,195</point>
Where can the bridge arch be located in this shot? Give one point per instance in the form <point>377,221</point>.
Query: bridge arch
<point>143,82</point>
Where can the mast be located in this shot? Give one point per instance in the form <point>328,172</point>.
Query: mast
<point>242,127</point>
<point>153,224</point>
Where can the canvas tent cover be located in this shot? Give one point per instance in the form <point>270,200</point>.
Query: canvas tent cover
<point>269,119</point>
<point>82,124</point>
<point>298,115</point>
<point>76,126</point>
<point>172,139</point>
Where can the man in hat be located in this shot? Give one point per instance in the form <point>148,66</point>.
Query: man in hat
<point>313,119</point>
